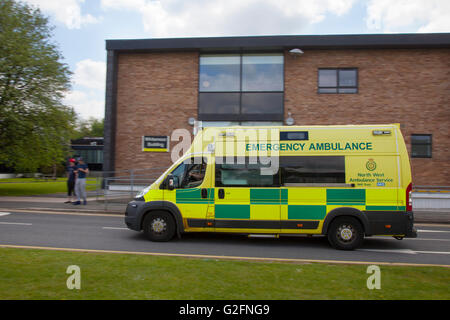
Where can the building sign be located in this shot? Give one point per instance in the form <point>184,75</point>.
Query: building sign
<point>155,143</point>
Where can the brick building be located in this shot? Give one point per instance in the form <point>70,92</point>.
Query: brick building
<point>156,85</point>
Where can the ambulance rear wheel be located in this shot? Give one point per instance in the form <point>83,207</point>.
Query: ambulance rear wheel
<point>159,226</point>
<point>345,233</point>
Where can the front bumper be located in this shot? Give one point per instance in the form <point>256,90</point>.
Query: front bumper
<point>132,215</point>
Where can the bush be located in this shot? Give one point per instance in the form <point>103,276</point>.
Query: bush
<point>48,170</point>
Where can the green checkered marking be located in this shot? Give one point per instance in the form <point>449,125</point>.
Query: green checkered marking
<point>385,208</point>
<point>264,196</point>
<point>354,197</point>
<point>194,196</point>
<point>307,212</point>
<point>232,211</point>
<point>284,196</point>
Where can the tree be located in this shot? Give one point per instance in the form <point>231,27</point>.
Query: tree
<point>35,126</point>
<point>89,128</point>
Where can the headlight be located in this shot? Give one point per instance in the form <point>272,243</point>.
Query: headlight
<point>142,193</point>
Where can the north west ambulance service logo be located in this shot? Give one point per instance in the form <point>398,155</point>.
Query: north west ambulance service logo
<point>371,165</point>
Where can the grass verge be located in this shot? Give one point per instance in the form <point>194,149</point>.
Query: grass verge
<point>30,187</point>
<point>41,274</point>
<point>28,180</point>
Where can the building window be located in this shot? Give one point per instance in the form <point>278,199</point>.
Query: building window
<point>421,145</point>
<point>338,80</point>
<point>220,73</point>
<point>241,87</point>
<point>262,72</point>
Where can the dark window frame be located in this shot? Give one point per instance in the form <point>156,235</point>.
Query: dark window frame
<point>242,116</point>
<point>284,135</point>
<point>279,178</point>
<point>356,87</point>
<point>422,144</point>
<point>276,182</point>
<point>204,163</point>
<point>340,176</point>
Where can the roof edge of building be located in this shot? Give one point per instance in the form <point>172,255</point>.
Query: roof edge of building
<point>335,41</point>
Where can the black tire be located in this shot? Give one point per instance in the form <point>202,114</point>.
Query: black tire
<point>159,226</point>
<point>345,233</point>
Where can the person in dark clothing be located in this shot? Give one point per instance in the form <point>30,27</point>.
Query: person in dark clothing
<point>71,181</point>
<point>81,172</point>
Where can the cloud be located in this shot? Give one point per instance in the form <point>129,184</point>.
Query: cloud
<point>400,15</point>
<point>85,104</point>
<point>90,74</point>
<point>176,18</point>
<point>67,12</point>
<point>87,98</point>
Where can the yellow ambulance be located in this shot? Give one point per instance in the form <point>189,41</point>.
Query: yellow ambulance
<point>343,182</point>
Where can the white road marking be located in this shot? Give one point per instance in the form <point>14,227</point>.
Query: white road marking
<point>405,239</point>
<point>114,215</point>
<point>433,252</point>
<point>432,225</point>
<point>433,231</point>
<point>114,228</point>
<point>2,214</point>
<point>406,251</point>
<point>17,223</point>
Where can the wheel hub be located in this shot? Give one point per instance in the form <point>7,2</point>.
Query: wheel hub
<point>158,225</point>
<point>346,233</point>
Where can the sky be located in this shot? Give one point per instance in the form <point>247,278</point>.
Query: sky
<point>82,26</point>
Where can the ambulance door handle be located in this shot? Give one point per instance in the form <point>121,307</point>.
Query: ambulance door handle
<point>221,194</point>
<point>204,193</point>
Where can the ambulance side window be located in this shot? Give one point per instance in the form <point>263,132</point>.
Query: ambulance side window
<point>243,173</point>
<point>195,173</point>
<point>178,174</point>
<point>312,169</point>
<point>189,173</point>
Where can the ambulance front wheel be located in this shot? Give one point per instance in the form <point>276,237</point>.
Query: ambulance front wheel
<point>159,226</point>
<point>345,233</point>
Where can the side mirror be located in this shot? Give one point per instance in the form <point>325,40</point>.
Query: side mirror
<point>170,182</point>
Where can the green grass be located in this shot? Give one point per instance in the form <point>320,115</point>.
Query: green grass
<point>41,274</point>
<point>32,186</point>
<point>28,180</point>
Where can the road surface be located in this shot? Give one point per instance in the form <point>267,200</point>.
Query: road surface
<point>108,232</point>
